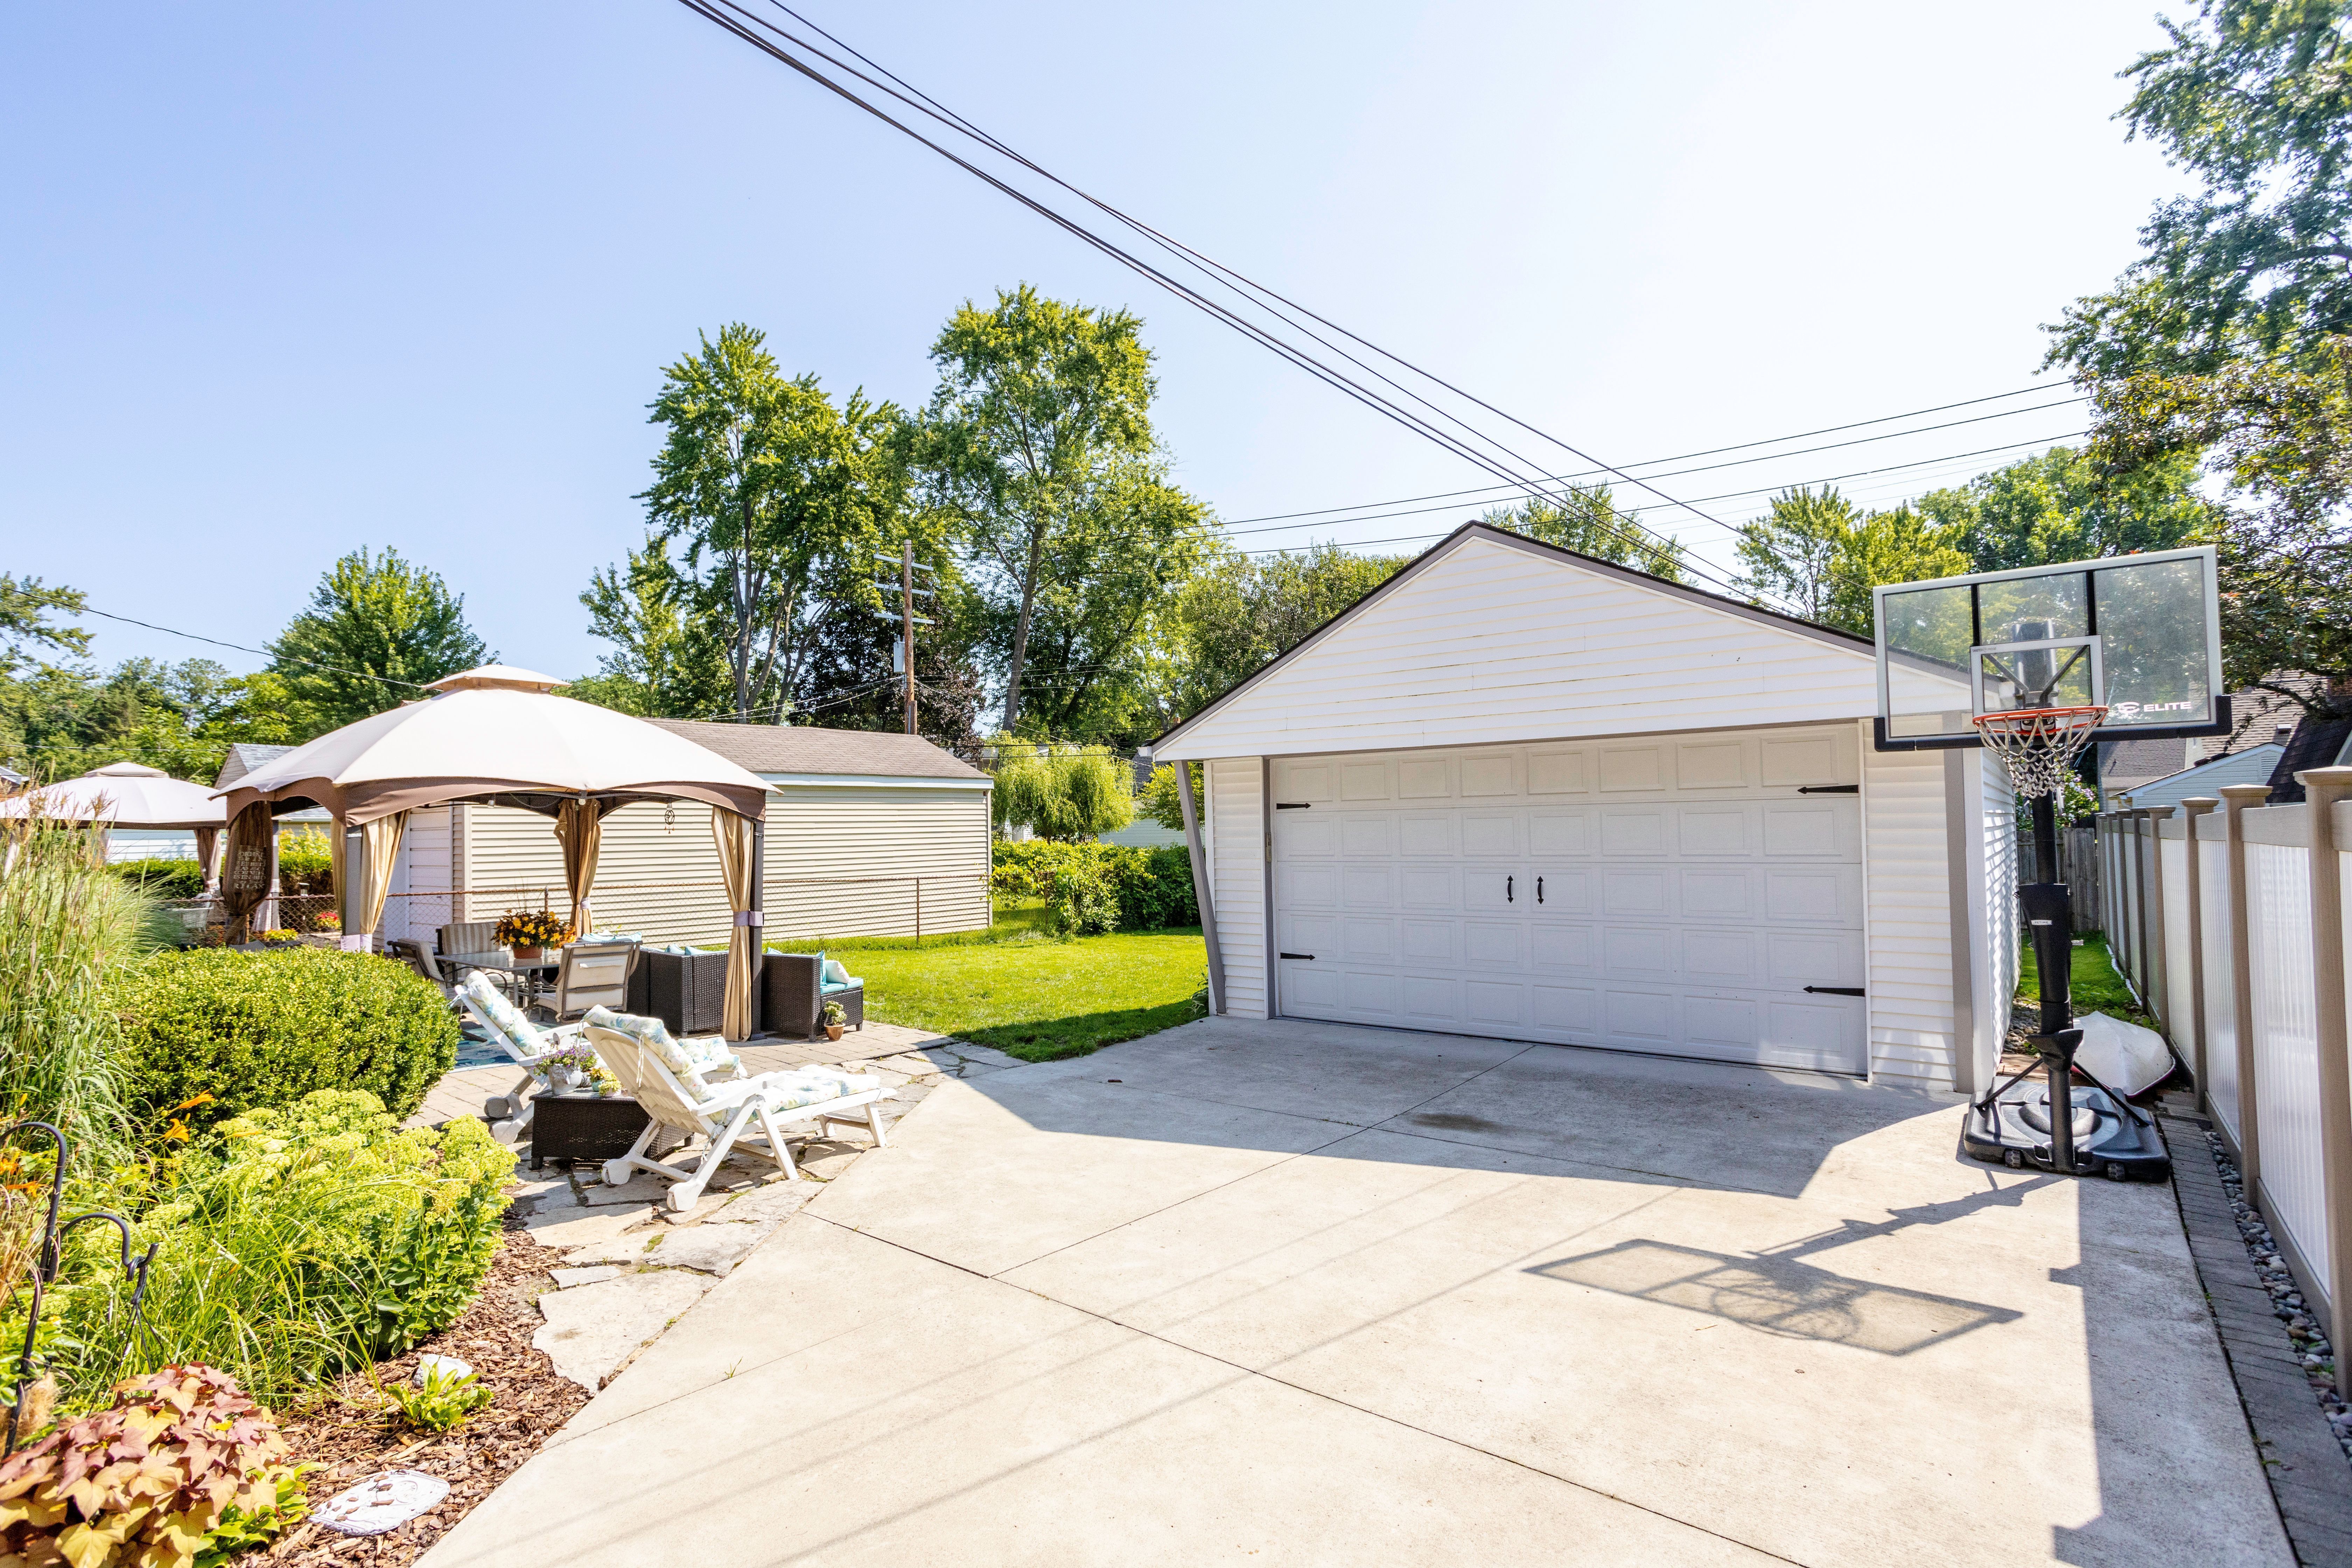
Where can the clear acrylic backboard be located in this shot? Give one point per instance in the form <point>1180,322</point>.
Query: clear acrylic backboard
<point>2140,634</point>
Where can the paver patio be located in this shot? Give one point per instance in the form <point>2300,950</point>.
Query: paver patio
<point>1319,1294</point>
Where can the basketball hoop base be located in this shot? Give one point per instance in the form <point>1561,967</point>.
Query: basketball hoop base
<point>2107,1135</point>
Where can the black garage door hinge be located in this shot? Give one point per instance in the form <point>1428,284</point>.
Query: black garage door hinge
<point>1831,789</point>
<point>1293,806</point>
<point>1834,991</point>
<point>1305,956</point>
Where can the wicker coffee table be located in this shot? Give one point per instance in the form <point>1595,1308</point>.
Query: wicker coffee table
<point>581,1125</point>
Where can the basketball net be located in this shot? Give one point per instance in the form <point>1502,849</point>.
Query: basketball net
<point>2039,745</point>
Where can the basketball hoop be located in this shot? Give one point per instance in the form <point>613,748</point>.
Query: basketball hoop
<point>2037,745</point>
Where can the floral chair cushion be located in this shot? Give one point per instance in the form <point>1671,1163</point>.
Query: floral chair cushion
<point>814,1086</point>
<point>523,1035</point>
<point>692,1058</point>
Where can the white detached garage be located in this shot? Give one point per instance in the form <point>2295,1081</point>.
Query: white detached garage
<point>1518,792</point>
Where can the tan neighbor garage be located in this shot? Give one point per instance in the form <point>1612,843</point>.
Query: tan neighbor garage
<point>1669,895</point>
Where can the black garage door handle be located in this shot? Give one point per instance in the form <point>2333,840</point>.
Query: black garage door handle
<point>1831,789</point>
<point>1834,991</point>
<point>1305,956</point>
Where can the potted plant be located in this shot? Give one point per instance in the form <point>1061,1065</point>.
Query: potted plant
<point>529,931</point>
<point>282,937</point>
<point>834,1020</point>
<point>575,1067</point>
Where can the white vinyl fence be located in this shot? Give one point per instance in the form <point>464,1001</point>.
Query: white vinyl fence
<point>2227,919</point>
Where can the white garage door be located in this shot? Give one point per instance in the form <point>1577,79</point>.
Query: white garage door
<point>1676,894</point>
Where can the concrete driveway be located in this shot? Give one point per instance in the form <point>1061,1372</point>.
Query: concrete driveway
<point>1310,1294</point>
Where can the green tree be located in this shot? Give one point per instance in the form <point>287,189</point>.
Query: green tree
<point>1038,445</point>
<point>669,657</point>
<point>1062,792</point>
<point>59,720</point>
<point>1820,555</point>
<point>1160,802</point>
<point>26,604</point>
<point>2253,99</point>
<point>777,494</point>
<point>2280,436</point>
<point>377,629</point>
<point>2227,332</point>
<point>2065,505</point>
<point>1897,546</point>
<point>1588,520</point>
<point>1789,554</point>
<point>1241,613</point>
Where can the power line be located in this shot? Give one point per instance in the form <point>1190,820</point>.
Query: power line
<point>1731,495</point>
<point>1712,452</point>
<point>751,28</point>
<point>263,652</point>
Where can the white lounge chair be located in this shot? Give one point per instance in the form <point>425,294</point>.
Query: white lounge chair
<point>707,1096</point>
<point>530,1045</point>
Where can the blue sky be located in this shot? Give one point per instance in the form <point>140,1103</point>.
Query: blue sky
<point>282,281</point>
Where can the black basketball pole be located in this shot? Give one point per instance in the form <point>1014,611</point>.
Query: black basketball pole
<point>2048,909</point>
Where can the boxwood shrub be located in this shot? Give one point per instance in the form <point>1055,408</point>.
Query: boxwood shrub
<point>262,1029</point>
<point>1092,887</point>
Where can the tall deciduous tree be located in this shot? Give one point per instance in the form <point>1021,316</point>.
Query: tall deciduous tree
<point>2066,505</point>
<point>1239,614</point>
<point>1820,555</point>
<point>2255,99</point>
<point>1038,443</point>
<point>772,490</point>
<point>377,628</point>
<point>669,650</point>
<point>1588,521</point>
<point>1787,555</point>
<point>2227,335</point>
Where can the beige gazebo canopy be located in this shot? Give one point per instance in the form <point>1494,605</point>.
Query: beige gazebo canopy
<point>129,795</point>
<point>501,735</point>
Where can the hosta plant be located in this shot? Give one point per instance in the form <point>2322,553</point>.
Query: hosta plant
<point>179,1471</point>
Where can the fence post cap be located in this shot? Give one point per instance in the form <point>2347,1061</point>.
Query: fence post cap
<point>2198,805</point>
<point>2158,812</point>
<point>2245,795</point>
<point>2325,778</point>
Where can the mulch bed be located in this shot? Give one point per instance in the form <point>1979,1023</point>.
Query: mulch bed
<point>346,1435</point>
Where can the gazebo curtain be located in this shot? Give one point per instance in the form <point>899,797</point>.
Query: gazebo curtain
<point>733,835</point>
<point>207,845</point>
<point>580,828</point>
<point>379,849</point>
<point>246,878</point>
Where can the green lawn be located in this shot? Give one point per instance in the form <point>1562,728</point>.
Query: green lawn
<point>2092,984</point>
<point>1028,995</point>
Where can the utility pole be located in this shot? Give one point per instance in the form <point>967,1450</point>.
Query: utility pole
<point>907,606</point>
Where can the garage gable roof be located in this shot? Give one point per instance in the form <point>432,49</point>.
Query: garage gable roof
<point>1490,637</point>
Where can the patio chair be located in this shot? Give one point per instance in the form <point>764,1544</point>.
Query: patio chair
<point>594,975</point>
<point>531,1046</point>
<point>680,1093</point>
<point>797,986</point>
<point>411,953</point>
<point>473,936</point>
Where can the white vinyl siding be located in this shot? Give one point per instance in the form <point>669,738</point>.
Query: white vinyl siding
<point>1993,936</point>
<point>1238,881</point>
<point>841,861</point>
<point>1670,894</point>
<point>1490,642</point>
<point>1912,886</point>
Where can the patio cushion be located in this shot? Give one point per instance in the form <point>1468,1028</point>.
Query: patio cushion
<point>680,1056</point>
<point>836,978</point>
<point>813,1086</point>
<point>504,1016</point>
